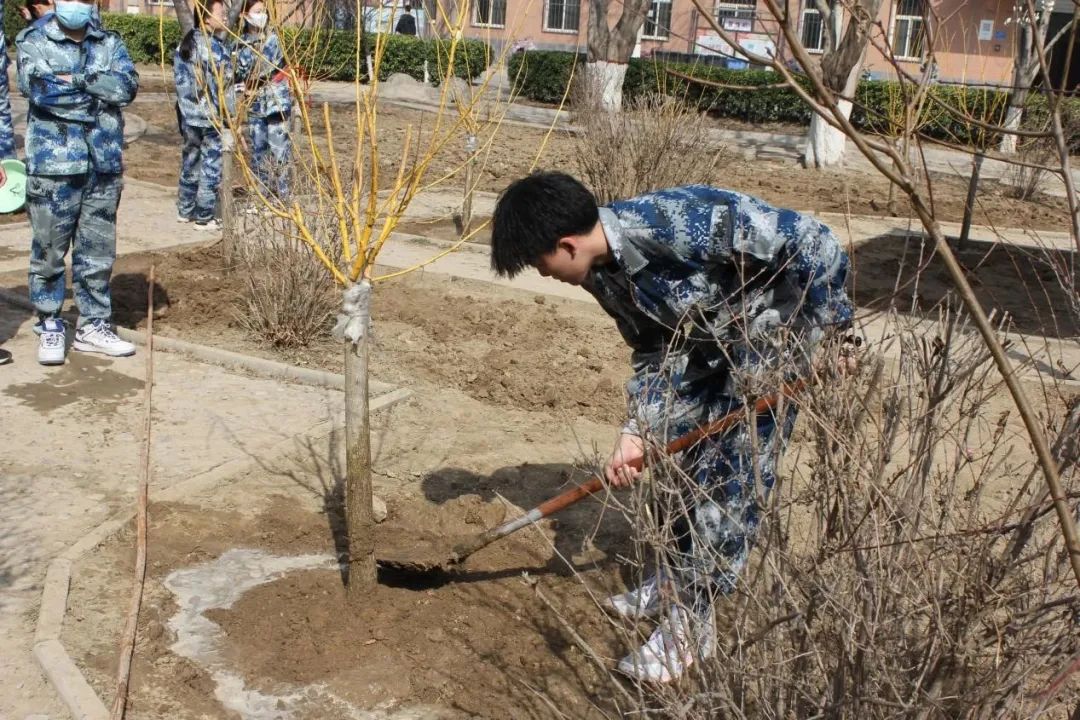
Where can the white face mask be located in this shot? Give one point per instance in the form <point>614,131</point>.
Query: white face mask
<point>257,20</point>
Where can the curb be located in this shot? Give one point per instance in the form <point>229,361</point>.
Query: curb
<point>225,358</point>
<point>63,674</point>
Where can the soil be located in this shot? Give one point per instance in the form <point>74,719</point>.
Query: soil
<point>156,158</point>
<point>474,643</point>
<point>499,346</point>
<point>1019,282</point>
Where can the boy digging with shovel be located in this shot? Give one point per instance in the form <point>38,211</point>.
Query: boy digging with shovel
<point>719,295</point>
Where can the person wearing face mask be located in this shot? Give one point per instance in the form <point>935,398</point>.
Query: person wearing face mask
<point>77,78</point>
<point>202,69</point>
<point>261,67</point>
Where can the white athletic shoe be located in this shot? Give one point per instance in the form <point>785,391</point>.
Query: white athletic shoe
<point>639,604</point>
<point>210,226</point>
<point>96,336</point>
<point>51,342</point>
<point>181,219</point>
<point>681,638</point>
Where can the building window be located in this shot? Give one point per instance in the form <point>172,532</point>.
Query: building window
<point>562,15</point>
<point>741,9</point>
<point>658,21</point>
<point>490,13</point>
<point>909,30</point>
<point>813,32</point>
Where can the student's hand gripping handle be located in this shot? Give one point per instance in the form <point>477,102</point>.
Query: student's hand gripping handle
<point>564,500</point>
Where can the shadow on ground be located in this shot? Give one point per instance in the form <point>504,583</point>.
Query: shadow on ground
<point>906,273</point>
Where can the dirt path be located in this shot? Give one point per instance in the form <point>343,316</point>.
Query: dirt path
<point>72,450</point>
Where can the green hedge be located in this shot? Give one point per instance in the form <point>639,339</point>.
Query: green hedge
<point>542,76</point>
<point>143,36</point>
<point>13,21</point>
<point>328,55</point>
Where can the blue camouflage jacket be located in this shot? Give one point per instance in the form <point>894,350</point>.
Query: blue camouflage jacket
<point>258,60</point>
<point>75,126</point>
<point>204,83</point>
<point>706,284</point>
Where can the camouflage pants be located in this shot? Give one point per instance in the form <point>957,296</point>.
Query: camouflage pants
<point>711,522</point>
<point>78,212</point>
<point>271,152</point>
<point>200,173</point>
<point>7,131</point>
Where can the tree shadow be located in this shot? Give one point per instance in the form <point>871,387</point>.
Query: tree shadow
<point>905,272</point>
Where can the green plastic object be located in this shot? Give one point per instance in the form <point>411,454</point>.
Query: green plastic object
<point>13,191</point>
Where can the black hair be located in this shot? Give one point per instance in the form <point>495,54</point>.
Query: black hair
<point>200,10</point>
<point>533,214</point>
<point>31,3</point>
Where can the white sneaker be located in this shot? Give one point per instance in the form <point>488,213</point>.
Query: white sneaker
<point>639,604</point>
<point>51,342</point>
<point>681,638</point>
<point>211,226</point>
<point>96,336</point>
<point>181,219</point>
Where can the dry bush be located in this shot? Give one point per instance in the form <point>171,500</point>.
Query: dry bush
<point>909,564</point>
<point>289,299</point>
<point>1026,182</point>
<point>655,142</point>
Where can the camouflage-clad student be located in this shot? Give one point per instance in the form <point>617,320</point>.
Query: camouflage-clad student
<point>202,69</point>
<point>260,66</point>
<point>77,78</point>
<point>715,292</point>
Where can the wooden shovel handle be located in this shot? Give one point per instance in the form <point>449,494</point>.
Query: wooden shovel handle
<point>573,495</point>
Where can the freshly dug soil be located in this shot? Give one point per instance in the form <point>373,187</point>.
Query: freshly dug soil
<point>497,345</point>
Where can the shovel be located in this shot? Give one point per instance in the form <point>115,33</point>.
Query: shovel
<point>419,560</point>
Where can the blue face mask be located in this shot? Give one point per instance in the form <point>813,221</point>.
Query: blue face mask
<point>73,15</point>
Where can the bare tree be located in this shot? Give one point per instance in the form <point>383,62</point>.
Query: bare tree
<point>610,48</point>
<point>1026,61</point>
<point>841,67</point>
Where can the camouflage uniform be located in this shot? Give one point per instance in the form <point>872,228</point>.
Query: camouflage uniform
<point>204,102</point>
<point>258,61</point>
<point>717,293</point>
<point>7,130</point>
<point>74,147</point>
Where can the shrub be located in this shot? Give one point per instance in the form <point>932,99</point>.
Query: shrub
<point>13,21</point>
<point>543,76</point>
<point>657,142</point>
<point>145,36</point>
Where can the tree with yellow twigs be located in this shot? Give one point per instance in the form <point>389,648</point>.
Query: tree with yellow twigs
<point>363,204</point>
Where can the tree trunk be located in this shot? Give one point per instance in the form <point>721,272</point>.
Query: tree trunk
<point>184,16</point>
<point>825,144</point>
<point>606,83</point>
<point>841,68</point>
<point>359,517</point>
<point>1021,83</point>
<point>610,49</point>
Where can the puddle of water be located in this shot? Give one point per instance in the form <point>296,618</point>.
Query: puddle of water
<point>82,378</point>
<point>220,583</point>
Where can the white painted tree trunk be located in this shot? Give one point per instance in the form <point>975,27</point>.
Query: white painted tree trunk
<point>825,144</point>
<point>606,82</point>
<point>1012,122</point>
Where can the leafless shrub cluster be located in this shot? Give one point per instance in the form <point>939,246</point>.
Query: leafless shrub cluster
<point>656,142</point>
<point>909,564</point>
<point>289,299</point>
